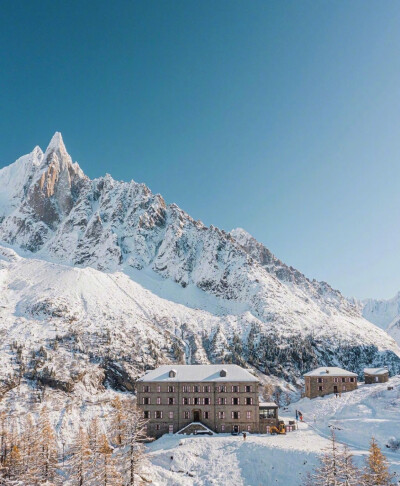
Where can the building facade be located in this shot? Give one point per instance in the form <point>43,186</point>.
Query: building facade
<point>224,398</point>
<point>376,375</point>
<point>324,381</point>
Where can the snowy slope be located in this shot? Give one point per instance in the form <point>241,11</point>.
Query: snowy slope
<point>384,313</point>
<point>283,460</point>
<point>109,256</point>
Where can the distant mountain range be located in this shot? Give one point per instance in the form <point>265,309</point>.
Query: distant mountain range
<point>107,272</point>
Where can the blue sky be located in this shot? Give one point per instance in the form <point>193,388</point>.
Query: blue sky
<point>280,117</point>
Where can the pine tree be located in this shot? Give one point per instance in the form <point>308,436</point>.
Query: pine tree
<point>80,461</point>
<point>377,468</point>
<point>14,463</point>
<point>136,434</point>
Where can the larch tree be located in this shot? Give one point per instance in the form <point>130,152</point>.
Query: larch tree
<point>377,468</point>
<point>80,458</point>
<point>46,449</point>
<point>349,473</point>
<point>118,422</point>
<point>107,473</point>
<point>136,434</point>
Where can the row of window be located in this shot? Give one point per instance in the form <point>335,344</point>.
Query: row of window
<point>158,414</point>
<point>321,388</point>
<point>199,389</point>
<point>222,428</point>
<point>201,401</point>
<point>348,379</point>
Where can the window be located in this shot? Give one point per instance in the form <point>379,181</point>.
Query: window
<point>206,415</point>
<point>196,389</point>
<point>221,415</point>
<point>196,401</point>
<point>158,414</point>
<point>320,380</point>
<point>248,415</point>
<point>352,379</point>
<point>343,380</point>
<point>146,414</point>
<point>344,387</point>
<point>146,401</point>
<point>248,389</point>
<point>222,428</point>
<point>336,380</point>
<point>248,428</point>
<point>207,401</point>
<point>170,429</point>
<point>320,388</point>
<point>158,427</point>
<point>207,389</point>
<point>235,401</point>
<point>171,401</point>
<point>146,388</point>
<point>185,401</point>
<point>268,413</point>
<point>236,415</point>
<point>186,415</point>
<point>249,401</point>
<point>171,415</point>
<point>222,389</point>
<point>158,389</point>
<point>158,400</point>
<point>185,389</point>
<point>235,388</point>
<point>171,389</point>
<point>222,401</point>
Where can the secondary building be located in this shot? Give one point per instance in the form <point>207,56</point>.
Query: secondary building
<point>376,375</point>
<point>224,398</point>
<point>327,380</point>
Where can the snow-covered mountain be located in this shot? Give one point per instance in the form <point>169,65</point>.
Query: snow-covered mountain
<point>106,272</point>
<point>384,313</point>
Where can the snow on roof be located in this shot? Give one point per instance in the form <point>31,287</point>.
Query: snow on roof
<point>267,405</point>
<point>330,371</point>
<point>375,371</point>
<point>189,373</point>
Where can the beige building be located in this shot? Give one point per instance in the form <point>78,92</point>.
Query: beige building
<point>327,380</point>
<point>224,398</point>
<point>376,375</point>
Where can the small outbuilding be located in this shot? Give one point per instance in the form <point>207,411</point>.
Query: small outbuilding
<point>376,375</point>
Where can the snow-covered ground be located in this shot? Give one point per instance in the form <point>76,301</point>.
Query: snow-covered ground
<point>282,460</point>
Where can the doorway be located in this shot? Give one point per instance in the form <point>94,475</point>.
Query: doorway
<point>196,415</point>
<point>236,428</point>
<point>335,389</point>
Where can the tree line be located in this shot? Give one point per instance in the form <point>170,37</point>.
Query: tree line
<point>337,468</point>
<point>97,455</point>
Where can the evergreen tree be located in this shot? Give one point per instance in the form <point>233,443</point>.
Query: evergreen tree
<point>377,469</point>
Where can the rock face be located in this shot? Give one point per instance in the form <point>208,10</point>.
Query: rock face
<point>384,313</point>
<point>245,305</point>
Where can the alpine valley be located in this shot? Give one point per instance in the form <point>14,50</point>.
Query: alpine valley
<point>101,280</point>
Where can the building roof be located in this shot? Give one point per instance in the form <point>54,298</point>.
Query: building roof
<point>330,371</point>
<point>197,373</point>
<point>375,371</point>
<point>267,405</point>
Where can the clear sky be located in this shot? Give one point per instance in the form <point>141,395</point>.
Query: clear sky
<point>282,117</point>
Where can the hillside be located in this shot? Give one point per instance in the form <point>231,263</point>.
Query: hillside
<point>138,282</point>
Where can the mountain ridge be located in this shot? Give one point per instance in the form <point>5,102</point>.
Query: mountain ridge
<point>262,312</point>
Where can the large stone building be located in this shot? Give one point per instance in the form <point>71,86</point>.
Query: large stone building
<point>326,380</point>
<point>224,398</point>
<point>376,375</point>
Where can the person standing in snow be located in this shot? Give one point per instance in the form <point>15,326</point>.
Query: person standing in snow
<point>244,435</point>
<point>297,415</point>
